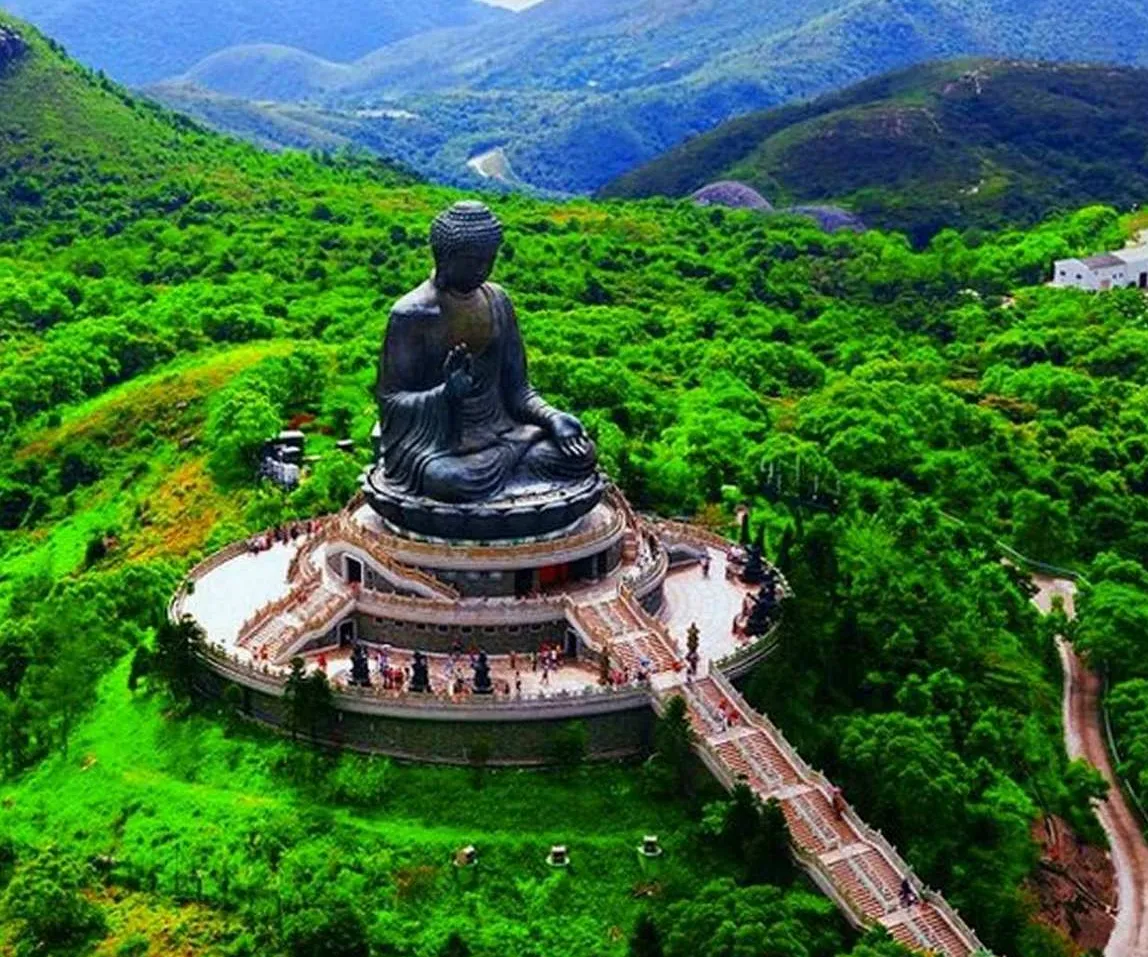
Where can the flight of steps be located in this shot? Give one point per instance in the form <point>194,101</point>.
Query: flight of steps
<point>631,639</point>
<point>861,867</point>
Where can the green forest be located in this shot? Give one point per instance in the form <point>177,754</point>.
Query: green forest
<point>169,298</point>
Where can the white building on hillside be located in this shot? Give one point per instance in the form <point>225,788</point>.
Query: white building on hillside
<point>1125,267</point>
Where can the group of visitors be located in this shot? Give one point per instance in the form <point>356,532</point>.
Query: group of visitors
<point>281,535</point>
<point>391,677</point>
<point>728,715</point>
<point>392,673</point>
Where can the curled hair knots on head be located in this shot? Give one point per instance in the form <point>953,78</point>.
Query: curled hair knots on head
<point>466,226</point>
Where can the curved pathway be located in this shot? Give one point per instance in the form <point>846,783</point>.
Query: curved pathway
<point>1084,738</point>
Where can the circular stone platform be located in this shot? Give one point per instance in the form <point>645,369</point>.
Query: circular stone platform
<point>347,579</point>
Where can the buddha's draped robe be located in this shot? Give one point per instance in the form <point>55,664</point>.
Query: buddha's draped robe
<point>497,440</point>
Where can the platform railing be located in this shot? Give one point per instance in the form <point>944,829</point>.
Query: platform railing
<point>275,682</point>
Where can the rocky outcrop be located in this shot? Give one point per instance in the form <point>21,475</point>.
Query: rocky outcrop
<point>12,45</point>
<point>733,195</point>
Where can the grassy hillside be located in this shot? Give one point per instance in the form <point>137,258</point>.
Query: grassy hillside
<point>74,142</point>
<point>579,93</point>
<point>959,144</point>
<point>160,316</point>
<point>200,811</point>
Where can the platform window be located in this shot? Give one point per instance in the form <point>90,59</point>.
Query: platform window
<point>354,570</point>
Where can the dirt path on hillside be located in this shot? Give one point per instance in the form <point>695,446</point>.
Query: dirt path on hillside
<point>1084,737</point>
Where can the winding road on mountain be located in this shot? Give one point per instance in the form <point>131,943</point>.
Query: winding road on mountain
<point>1084,738</point>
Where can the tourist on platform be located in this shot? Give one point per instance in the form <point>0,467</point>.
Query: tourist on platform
<point>534,661</point>
<point>518,684</point>
<point>514,662</point>
<point>908,895</point>
<point>322,663</point>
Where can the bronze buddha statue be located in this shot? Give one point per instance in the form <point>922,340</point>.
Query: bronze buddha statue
<point>467,448</point>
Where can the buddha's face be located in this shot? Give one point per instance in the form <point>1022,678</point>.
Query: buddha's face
<point>466,270</point>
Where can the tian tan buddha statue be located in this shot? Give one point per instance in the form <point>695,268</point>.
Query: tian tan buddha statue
<point>467,448</point>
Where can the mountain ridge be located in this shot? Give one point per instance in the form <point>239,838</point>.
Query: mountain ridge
<point>959,143</point>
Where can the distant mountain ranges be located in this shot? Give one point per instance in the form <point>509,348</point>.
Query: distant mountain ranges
<point>965,143</point>
<point>564,97</point>
<point>137,42</point>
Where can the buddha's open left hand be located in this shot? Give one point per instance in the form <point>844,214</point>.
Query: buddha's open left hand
<point>570,437</point>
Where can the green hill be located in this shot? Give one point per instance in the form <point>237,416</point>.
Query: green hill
<point>167,297</point>
<point>80,149</point>
<point>966,143</point>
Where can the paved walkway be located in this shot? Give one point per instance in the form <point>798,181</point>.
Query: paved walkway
<point>225,597</point>
<point>1084,738</point>
<point>713,601</point>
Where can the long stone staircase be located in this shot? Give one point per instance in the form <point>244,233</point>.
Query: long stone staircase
<point>857,867</point>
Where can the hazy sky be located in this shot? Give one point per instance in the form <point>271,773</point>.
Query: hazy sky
<point>512,4</point>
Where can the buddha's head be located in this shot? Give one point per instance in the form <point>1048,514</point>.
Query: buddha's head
<point>465,240</point>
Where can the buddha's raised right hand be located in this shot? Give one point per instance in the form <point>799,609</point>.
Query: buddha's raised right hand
<point>458,372</point>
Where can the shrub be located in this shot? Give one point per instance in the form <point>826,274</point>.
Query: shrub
<point>45,903</point>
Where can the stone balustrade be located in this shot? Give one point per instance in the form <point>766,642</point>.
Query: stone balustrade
<point>681,532</point>
<point>502,556</point>
<point>441,706</point>
<point>469,611</point>
<point>282,605</point>
<point>350,532</point>
<point>963,939</point>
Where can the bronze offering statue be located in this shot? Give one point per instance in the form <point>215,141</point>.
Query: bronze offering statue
<point>467,448</point>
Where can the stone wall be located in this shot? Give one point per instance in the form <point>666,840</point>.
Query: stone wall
<point>619,734</point>
<point>494,639</point>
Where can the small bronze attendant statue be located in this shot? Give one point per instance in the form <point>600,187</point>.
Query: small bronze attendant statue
<point>468,449</point>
